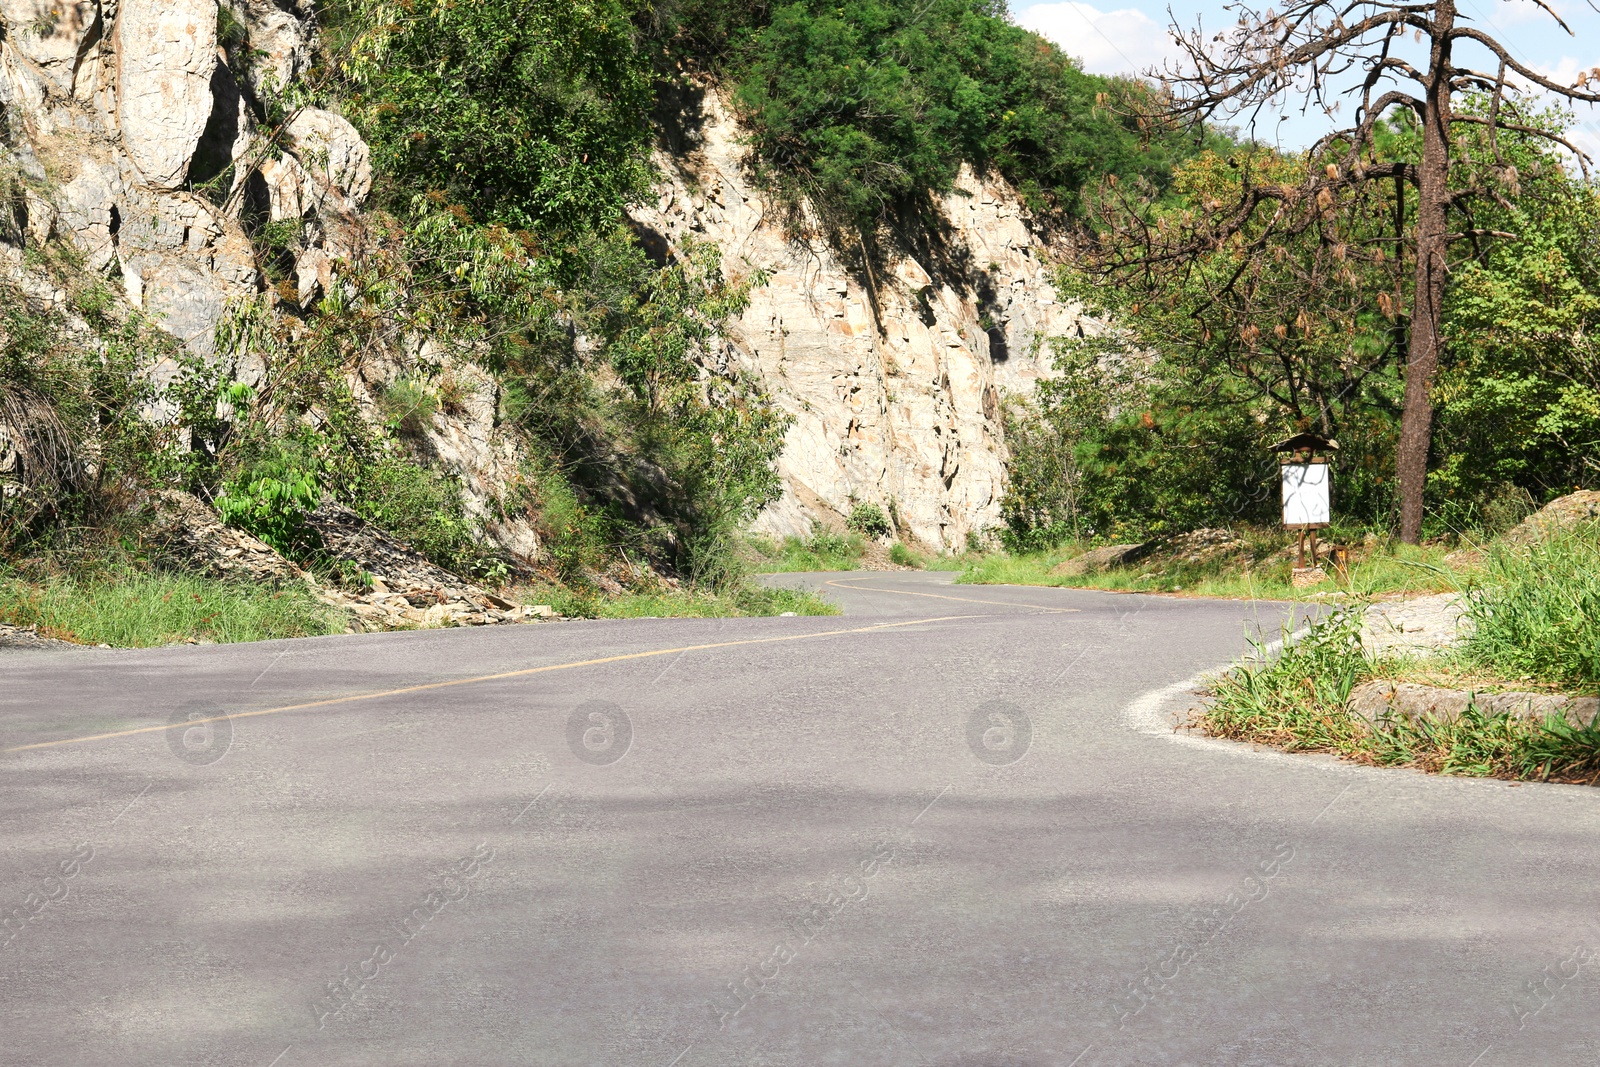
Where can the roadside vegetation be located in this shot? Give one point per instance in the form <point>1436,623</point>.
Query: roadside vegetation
<point>508,139</point>
<point>128,608</point>
<point>1531,615</point>
<point>1259,569</point>
<point>662,603</point>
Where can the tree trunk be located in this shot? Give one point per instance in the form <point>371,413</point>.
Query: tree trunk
<point>1422,356</point>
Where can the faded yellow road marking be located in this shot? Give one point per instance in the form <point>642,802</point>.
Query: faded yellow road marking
<point>484,678</point>
<point>941,596</point>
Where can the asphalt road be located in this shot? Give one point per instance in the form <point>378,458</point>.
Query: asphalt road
<point>945,829</point>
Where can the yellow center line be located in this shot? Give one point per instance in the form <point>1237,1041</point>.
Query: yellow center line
<point>941,596</point>
<point>483,678</point>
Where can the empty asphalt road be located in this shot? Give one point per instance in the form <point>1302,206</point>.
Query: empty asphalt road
<point>943,829</point>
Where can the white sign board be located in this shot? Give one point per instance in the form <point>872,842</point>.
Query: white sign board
<point>1306,496</point>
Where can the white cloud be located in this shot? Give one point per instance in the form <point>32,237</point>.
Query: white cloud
<point>1126,41</point>
<point>1498,13</point>
<point>1585,131</point>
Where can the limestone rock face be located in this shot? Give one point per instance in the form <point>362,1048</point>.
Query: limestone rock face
<point>51,34</point>
<point>166,52</point>
<point>143,126</point>
<point>894,381</point>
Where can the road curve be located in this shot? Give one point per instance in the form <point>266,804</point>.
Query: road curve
<point>923,833</point>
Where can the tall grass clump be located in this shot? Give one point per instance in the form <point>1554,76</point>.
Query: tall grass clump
<point>824,550</point>
<point>1536,615</point>
<point>140,609</point>
<point>1295,699</point>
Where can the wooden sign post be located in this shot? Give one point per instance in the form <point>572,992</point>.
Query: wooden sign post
<point>1306,472</point>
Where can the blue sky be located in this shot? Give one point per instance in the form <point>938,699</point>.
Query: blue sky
<point>1130,36</point>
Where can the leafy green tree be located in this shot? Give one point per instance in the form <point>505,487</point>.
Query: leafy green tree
<point>530,112</point>
<point>1519,402</point>
<point>865,111</point>
<point>1466,90</point>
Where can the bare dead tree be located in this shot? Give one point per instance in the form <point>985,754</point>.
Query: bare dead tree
<point>1325,52</point>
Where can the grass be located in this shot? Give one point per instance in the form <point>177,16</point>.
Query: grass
<point>822,551</point>
<point>132,609</point>
<point>1535,616</point>
<point>1536,612</point>
<point>1386,568</point>
<point>748,600</point>
<point>825,551</point>
<point>1296,700</point>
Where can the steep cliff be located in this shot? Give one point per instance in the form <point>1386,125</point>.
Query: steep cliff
<point>894,381</point>
<point>137,131</point>
<point>163,140</point>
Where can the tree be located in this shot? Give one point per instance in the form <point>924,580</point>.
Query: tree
<point>1324,50</point>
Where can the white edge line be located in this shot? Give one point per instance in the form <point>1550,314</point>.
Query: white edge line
<point>524,811</point>
<point>1152,713</point>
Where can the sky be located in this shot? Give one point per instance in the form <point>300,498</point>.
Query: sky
<point>1130,37</point>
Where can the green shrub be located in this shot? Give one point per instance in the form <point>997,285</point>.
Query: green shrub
<point>868,109</point>
<point>275,507</point>
<point>902,556</point>
<point>531,112</point>
<point>870,520</point>
<point>827,545</point>
<point>423,508</point>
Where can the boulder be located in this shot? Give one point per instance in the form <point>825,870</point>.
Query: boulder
<point>166,52</point>
<point>1556,517</point>
<point>1416,625</point>
<point>330,148</point>
<point>279,45</point>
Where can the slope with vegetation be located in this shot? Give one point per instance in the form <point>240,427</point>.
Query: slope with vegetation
<point>379,256</point>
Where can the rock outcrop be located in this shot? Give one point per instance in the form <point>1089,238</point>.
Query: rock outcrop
<point>140,130</point>
<point>1382,701</point>
<point>402,589</point>
<point>1556,517</point>
<point>140,136</point>
<point>1415,625</point>
<point>895,383</point>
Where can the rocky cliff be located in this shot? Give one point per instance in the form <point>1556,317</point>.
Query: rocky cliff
<point>138,133</point>
<point>895,392</point>
<point>161,139</point>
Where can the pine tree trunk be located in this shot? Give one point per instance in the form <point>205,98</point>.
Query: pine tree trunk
<point>1422,356</point>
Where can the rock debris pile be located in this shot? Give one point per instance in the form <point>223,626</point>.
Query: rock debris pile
<point>402,589</point>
